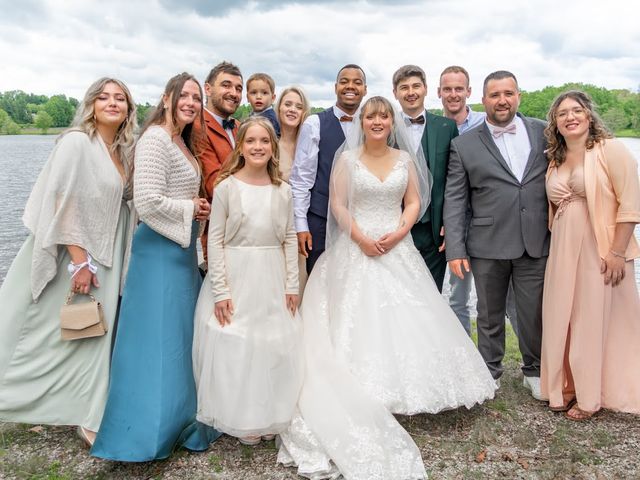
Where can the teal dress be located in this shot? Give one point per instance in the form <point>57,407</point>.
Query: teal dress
<point>151,407</point>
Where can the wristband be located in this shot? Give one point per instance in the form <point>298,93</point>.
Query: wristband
<point>74,268</point>
<point>616,254</point>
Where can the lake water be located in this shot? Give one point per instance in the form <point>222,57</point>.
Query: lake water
<point>22,158</point>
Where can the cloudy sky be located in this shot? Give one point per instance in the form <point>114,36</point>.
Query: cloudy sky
<point>50,47</point>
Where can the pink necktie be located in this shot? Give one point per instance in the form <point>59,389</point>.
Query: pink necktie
<point>499,131</point>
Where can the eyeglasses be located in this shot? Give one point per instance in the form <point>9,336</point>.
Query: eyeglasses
<point>576,111</point>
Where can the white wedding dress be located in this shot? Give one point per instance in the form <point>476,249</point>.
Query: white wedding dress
<point>379,339</point>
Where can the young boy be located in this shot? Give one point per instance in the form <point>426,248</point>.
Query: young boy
<point>261,95</point>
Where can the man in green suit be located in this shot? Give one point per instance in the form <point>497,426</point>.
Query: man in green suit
<point>433,134</point>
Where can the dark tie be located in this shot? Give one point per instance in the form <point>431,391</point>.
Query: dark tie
<point>418,120</point>
<point>229,124</point>
<point>346,118</point>
<point>499,131</point>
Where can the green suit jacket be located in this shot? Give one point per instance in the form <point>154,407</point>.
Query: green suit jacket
<point>436,140</point>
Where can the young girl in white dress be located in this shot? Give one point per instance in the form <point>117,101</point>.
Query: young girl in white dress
<point>247,346</point>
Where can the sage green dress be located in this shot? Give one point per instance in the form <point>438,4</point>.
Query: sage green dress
<point>43,379</point>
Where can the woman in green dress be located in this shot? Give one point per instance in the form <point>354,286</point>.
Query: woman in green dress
<point>79,225</point>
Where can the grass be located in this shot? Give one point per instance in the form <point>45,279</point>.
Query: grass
<point>629,133</point>
<point>511,436</point>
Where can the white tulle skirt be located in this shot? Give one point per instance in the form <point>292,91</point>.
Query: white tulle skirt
<point>379,339</point>
<point>249,373</point>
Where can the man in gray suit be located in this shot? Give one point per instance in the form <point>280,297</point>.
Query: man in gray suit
<point>497,169</point>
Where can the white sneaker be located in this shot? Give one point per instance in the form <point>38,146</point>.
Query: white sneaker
<point>533,384</point>
<point>497,380</point>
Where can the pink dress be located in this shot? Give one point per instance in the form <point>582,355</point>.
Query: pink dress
<point>590,331</point>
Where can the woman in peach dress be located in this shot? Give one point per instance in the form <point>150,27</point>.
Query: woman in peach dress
<point>591,307</point>
<point>292,110</point>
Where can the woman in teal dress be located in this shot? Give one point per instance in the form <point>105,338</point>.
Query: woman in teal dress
<point>151,408</point>
<point>78,221</point>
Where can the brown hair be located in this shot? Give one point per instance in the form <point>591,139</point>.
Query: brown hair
<point>265,78</point>
<point>406,72</point>
<point>236,161</point>
<point>557,146</point>
<point>222,67</point>
<point>378,105</point>
<point>456,69</point>
<point>172,92</point>
<point>306,109</point>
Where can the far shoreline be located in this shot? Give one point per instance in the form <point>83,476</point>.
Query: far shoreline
<point>626,133</point>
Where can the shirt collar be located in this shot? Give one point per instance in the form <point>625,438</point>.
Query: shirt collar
<point>407,117</point>
<point>493,127</point>
<point>218,118</point>
<point>338,112</point>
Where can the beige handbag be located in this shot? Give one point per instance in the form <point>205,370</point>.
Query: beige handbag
<point>81,320</point>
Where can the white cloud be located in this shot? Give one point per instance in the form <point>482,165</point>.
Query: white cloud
<point>61,47</point>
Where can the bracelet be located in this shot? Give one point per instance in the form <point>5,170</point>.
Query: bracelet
<point>74,268</point>
<point>616,254</point>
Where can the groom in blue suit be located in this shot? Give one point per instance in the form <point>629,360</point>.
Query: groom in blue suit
<point>320,137</point>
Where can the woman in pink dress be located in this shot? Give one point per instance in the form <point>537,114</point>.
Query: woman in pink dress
<point>591,308</point>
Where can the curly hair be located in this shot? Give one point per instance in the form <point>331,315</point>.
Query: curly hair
<point>557,146</point>
<point>85,120</point>
<point>236,161</point>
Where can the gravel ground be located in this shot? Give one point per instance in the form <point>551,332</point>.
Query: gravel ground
<point>512,436</point>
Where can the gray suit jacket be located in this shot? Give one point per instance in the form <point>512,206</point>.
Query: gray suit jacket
<point>508,217</point>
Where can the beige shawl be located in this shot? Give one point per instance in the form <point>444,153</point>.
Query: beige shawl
<point>76,201</point>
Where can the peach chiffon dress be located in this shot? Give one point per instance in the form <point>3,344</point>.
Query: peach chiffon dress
<point>590,331</point>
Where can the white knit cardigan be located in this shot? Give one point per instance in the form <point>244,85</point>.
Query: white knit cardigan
<point>164,185</point>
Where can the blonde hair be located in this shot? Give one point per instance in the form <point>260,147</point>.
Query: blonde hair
<point>85,121</point>
<point>306,108</point>
<point>557,146</point>
<point>236,162</point>
<point>378,105</point>
<point>265,78</point>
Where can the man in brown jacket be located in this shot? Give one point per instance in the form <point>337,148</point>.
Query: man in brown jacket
<point>223,89</point>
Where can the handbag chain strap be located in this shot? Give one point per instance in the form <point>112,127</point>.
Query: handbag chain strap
<point>73,294</point>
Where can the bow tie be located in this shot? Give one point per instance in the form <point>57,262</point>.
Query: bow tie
<point>346,118</point>
<point>229,124</point>
<point>419,120</point>
<point>499,131</point>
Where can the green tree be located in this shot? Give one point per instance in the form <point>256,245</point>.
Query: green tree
<point>4,117</point>
<point>242,112</point>
<point>60,109</point>
<point>43,121</point>
<point>15,104</point>
<point>142,112</point>
<point>615,119</point>
<point>11,128</point>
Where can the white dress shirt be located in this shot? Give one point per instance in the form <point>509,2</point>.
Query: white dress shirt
<point>229,132</point>
<point>416,130</point>
<point>514,147</point>
<point>305,165</point>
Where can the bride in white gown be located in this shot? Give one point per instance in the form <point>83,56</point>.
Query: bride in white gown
<point>379,338</point>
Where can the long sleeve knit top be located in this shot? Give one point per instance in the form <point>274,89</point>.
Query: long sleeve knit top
<point>164,184</point>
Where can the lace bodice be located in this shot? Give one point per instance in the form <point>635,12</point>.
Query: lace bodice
<point>377,204</point>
